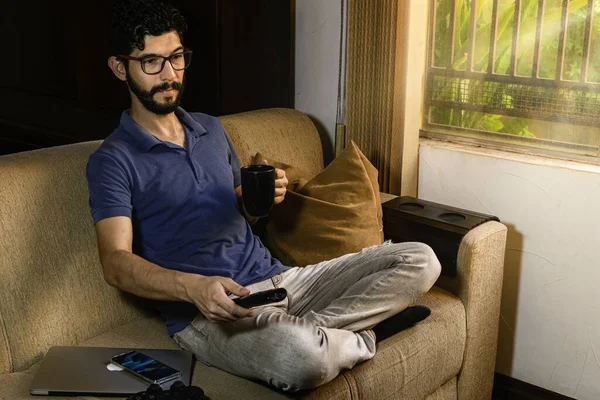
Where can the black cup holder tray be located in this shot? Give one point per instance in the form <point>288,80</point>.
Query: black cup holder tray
<point>440,226</point>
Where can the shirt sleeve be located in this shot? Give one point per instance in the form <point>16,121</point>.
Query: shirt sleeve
<point>234,161</point>
<point>109,188</point>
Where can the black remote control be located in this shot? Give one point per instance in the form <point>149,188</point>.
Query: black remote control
<point>261,298</point>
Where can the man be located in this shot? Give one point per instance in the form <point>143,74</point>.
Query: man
<point>164,195</point>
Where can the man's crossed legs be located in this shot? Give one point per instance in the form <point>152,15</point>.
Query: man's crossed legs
<point>324,325</point>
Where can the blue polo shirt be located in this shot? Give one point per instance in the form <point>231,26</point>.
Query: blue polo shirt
<point>181,202</point>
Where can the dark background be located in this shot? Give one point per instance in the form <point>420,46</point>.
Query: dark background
<point>57,88</point>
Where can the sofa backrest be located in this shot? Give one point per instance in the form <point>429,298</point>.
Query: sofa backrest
<point>279,134</point>
<point>52,291</point>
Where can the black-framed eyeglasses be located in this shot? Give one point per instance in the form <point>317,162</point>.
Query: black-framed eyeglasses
<point>153,64</point>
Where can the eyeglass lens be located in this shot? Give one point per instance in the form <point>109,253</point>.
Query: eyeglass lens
<point>179,61</point>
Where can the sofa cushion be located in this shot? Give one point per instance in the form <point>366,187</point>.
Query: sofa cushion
<point>148,333</point>
<point>335,213</point>
<point>151,333</point>
<point>418,360</point>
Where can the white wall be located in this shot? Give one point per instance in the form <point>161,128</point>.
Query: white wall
<point>317,64</point>
<point>550,325</point>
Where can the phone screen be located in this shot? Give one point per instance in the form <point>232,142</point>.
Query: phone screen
<point>146,366</point>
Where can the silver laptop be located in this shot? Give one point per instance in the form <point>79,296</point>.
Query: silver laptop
<point>84,371</point>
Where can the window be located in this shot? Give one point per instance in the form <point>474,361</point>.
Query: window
<point>518,73</point>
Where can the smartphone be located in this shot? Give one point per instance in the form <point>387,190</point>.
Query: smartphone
<point>261,298</point>
<point>145,367</point>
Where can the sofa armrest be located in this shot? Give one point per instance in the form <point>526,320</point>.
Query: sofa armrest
<point>478,284</point>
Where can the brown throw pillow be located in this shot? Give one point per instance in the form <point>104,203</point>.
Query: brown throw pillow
<point>335,213</point>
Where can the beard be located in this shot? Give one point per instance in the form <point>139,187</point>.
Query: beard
<point>146,97</point>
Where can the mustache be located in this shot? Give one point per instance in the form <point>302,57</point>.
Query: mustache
<point>165,86</point>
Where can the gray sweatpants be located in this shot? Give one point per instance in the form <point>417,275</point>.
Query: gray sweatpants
<point>323,326</point>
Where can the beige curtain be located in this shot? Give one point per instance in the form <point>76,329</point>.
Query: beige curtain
<point>378,92</point>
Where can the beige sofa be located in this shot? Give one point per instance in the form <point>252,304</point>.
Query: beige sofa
<point>53,292</point>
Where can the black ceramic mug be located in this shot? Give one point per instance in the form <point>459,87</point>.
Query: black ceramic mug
<point>258,189</point>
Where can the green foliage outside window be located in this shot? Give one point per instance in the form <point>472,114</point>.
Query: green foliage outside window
<point>573,52</point>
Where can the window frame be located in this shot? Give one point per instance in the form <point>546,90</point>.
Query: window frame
<point>498,140</point>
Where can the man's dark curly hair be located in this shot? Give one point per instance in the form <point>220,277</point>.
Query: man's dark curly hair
<point>133,19</point>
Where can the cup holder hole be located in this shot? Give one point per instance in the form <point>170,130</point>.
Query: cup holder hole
<point>411,206</point>
<point>452,217</point>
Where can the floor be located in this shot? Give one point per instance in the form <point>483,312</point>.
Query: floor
<point>506,388</point>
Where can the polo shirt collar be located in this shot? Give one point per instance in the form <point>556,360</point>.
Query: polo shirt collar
<point>145,141</point>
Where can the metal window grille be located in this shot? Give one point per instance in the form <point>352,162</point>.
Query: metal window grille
<point>472,82</point>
